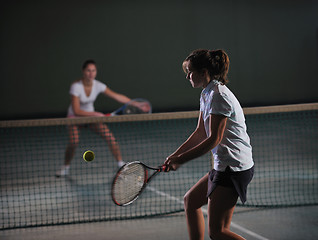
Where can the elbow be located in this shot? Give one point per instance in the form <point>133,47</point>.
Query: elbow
<point>214,141</point>
<point>76,111</point>
<point>218,140</point>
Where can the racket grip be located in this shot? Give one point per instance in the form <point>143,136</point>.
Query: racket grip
<point>163,168</point>
<point>110,114</point>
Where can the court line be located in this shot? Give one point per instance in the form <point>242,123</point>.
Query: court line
<point>205,211</point>
<point>242,229</point>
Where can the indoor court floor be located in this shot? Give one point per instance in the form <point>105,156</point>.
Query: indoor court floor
<point>295,223</point>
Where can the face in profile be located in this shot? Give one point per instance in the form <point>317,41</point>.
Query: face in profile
<point>90,72</point>
<point>196,78</point>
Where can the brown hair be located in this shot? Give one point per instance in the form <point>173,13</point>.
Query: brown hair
<point>215,61</point>
<point>87,62</point>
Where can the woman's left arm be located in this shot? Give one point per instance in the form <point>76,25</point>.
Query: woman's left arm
<point>116,96</point>
<point>217,126</point>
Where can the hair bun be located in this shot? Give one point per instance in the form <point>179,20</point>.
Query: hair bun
<point>215,61</point>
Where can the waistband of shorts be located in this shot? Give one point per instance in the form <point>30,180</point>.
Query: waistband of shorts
<point>231,172</point>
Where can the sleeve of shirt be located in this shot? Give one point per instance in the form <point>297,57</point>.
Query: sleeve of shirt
<point>221,105</point>
<point>101,87</point>
<point>75,90</point>
<point>201,104</point>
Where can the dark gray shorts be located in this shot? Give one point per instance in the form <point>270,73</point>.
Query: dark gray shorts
<point>236,180</point>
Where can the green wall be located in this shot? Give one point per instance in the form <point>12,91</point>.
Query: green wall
<point>139,47</point>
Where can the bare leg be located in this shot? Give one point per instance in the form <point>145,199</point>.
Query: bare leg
<point>220,208</point>
<point>194,199</point>
<point>106,134</point>
<point>73,142</point>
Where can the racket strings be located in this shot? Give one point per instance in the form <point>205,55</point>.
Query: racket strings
<point>138,106</point>
<point>133,110</point>
<point>128,183</point>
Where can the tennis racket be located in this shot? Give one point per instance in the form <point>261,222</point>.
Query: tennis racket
<point>135,106</point>
<point>130,181</point>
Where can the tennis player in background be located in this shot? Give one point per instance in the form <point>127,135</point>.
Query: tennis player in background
<point>83,95</point>
<point>221,129</point>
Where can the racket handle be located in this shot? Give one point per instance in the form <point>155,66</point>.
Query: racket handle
<point>163,168</point>
<point>109,114</point>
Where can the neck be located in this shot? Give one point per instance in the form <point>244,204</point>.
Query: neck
<point>206,82</point>
<point>87,82</point>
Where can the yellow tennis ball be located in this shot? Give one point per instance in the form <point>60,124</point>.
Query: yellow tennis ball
<point>89,156</point>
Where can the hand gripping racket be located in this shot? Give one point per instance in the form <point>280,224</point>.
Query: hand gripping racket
<point>135,106</point>
<point>130,181</point>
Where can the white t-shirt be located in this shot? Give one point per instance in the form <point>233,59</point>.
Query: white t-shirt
<point>86,102</point>
<point>234,150</point>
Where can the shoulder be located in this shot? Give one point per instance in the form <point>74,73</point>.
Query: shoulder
<point>76,88</point>
<point>76,83</point>
<point>220,89</point>
<point>221,101</point>
<point>223,91</point>
<point>98,82</point>
<point>100,85</point>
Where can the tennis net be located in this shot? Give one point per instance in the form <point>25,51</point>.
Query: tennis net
<point>284,140</point>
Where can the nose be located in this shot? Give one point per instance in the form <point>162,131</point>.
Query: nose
<point>188,76</point>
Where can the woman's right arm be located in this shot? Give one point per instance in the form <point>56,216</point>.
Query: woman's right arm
<point>195,138</point>
<point>79,112</point>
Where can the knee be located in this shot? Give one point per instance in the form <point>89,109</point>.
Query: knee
<point>110,138</point>
<point>215,230</point>
<point>187,201</point>
<point>104,131</point>
<point>100,127</point>
<point>194,200</point>
<point>214,234</point>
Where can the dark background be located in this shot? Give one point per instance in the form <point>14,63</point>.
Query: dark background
<point>139,47</point>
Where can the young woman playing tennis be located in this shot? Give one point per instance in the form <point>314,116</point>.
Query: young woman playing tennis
<point>221,129</point>
<point>83,95</point>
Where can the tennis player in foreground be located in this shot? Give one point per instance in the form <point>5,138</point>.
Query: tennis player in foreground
<point>221,129</point>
